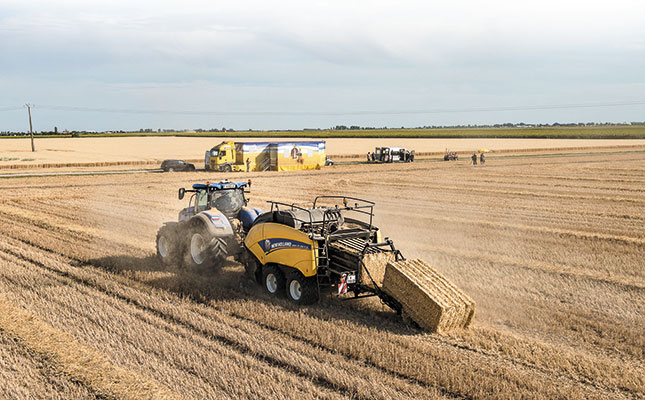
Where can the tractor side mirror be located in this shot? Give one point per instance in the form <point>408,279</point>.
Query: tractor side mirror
<point>182,192</point>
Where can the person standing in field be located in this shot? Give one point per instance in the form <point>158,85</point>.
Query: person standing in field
<point>482,160</point>
<point>248,164</point>
<point>369,157</point>
<point>474,158</point>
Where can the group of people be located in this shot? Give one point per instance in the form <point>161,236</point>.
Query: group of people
<point>449,156</point>
<point>482,160</point>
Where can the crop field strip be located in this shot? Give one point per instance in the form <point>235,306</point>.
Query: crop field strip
<point>81,363</point>
<point>333,362</point>
<point>531,369</point>
<point>23,373</point>
<point>580,368</point>
<point>240,347</point>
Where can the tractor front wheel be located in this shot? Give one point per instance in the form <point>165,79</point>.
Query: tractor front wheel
<point>196,253</point>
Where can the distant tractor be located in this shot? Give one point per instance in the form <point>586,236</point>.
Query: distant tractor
<point>208,230</point>
<point>451,156</point>
<point>392,154</point>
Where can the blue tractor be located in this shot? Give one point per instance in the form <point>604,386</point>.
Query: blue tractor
<point>211,228</point>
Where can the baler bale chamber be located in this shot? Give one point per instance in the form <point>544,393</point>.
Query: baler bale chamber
<point>353,259</point>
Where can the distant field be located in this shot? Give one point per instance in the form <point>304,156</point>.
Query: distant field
<point>92,151</point>
<point>582,132</point>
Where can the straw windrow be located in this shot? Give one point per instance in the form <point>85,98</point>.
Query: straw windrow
<point>79,362</point>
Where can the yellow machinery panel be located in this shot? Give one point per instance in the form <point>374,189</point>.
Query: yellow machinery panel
<point>282,244</point>
<point>265,156</point>
<point>290,156</point>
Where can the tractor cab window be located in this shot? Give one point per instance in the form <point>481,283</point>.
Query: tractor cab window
<point>230,202</point>
<point>202,201</point>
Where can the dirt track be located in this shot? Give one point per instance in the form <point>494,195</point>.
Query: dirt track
<point>551,250</point>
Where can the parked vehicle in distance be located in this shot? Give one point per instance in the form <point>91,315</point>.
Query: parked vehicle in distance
<point>329,161</point>
<point>451,156</point>
<point>392,154</point>
<point>176,165</point>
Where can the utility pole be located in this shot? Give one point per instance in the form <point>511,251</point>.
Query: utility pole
<point>31,129</point>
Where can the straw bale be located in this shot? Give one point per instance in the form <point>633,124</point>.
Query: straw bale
<point>376,264</point>
<point>430,299</point>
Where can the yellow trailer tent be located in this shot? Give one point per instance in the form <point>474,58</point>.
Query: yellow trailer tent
<point>266,156</point>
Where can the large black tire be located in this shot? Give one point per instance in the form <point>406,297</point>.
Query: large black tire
<point>196,254</point>
<point>302,290</point>
<point>227,168</point>
<point>273,280</point>
<point>169,244</point>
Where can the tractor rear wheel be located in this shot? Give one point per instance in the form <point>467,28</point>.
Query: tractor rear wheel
<point>168,244</point>
<point>302,290</point>
<point>273,280</point>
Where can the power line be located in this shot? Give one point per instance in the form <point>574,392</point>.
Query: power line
<point>358,112</point>
<point>331,113</point>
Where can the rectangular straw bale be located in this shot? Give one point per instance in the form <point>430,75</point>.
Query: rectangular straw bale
<point>430,299</point>
<point>375,263</point>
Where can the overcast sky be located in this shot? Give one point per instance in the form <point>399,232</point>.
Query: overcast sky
<point>316,64</point>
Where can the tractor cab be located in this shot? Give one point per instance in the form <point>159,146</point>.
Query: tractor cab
<point>227,197</point>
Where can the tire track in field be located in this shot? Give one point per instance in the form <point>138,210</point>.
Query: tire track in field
<point>79,361</point>
<point>502,193</point>
<point>35,375</point>
<point>236,345</point>
<point>549,374</point>
<point>620,283</point>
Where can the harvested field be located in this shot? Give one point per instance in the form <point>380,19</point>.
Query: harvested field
<point>550,249</point>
